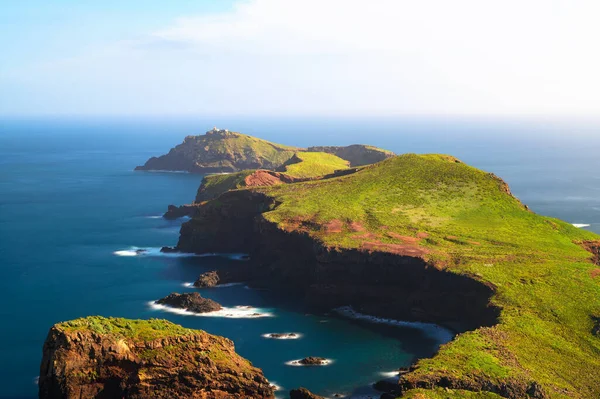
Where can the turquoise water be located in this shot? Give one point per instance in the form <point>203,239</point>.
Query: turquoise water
<point>69,199</point>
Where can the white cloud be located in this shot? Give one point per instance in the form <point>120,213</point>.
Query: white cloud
<point>362,57</point>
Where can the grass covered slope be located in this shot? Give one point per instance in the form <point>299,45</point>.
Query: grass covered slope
<point>303,165</point>
<point>221,151</point>
<point>465,221</point>
<point>313,164</point>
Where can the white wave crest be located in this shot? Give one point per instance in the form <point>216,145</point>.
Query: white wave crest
<point>156,252</point>
<point>297,363</point>
<point>236,312</point>
<point>188,285</point>
<point>390,374</point>
<point>439,333</point>
<point>581,225</point>
<point>154,217</point>
<point>283,336</point>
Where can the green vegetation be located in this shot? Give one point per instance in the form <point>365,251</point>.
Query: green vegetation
<point>468,223</point>
<point>144,330</point>
<point>313,164</point>
<point>214,185</point>
<point>449,394</point>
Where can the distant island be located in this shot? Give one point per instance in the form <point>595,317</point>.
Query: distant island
<point>223,151</point>
<point>422,238</point>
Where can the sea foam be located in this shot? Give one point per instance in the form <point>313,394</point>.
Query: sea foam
<point>156,252</point>
<point>439,333</point>
<point>270,336</point>
<point>581,225</point>
<point>236,312</point>
<point>297,363</point>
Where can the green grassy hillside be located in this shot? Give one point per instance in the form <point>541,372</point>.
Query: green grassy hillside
<point>467,222</point>
<point>313,164</point>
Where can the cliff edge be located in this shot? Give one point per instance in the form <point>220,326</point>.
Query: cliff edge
<point>97,357</point>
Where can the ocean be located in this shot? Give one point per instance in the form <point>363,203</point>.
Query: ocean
<point>73,211</point>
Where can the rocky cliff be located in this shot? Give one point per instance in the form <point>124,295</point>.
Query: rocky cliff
<point>428,238</point>
<point>100,357</point>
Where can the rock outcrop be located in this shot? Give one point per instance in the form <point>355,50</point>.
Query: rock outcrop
<point>175,212</point>
<point>313,361</point>
<point>192,302</point>
<point>216,277</point>
<point>100,357</point>
<point>303,393</point>
<point>356,154</point>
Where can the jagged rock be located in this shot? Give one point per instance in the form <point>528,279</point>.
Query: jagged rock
<point>193,302</point>
<point>216,277</point>
<point>386,386</point>
<point>168,250</point>
<point>303,393</point>
<point>283,335</point>
<point>98,357</point>
<point>313,361</point>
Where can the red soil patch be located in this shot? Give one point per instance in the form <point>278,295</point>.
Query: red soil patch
<point>474,242</point>
<point>267,178</point>
<point>422,235</point>
<point>595,273</point>
<point>397,249</point>
<point>451,238</point>
<point>368,236</point>
<point>355,226</point>
<point>406,239</point>
<point>334,226</point>
<point>594,248</point>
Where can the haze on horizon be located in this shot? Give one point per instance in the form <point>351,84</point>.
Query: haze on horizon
<point>300,57</point>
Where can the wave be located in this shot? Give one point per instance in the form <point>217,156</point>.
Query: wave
<point>284,336</point>
<point>154,217</point>
<point>297,363</point>
<point>236,312</point>
<point>581,225</point>
<point>156,252</point>
<point>191,285</point>
<point>439,333</point>
<point>390,374</point>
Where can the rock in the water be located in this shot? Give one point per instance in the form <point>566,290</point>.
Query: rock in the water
<point>99,357</point>
<point>283,335</point>
<point>192,301</point>
<point>313,361</point>
<point>168,250</point>
<point>208,279</point>
<point>303,393</point>
<point>216,277</point>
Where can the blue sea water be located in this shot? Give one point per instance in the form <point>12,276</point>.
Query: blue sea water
<point>69,199</point>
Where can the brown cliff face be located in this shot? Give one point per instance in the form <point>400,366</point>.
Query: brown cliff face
<point>83,363</point>
<point>372,281</point>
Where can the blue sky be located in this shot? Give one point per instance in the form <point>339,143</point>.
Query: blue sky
<point>299,57</point>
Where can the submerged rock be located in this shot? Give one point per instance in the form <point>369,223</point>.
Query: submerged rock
<point>99,357</point>
<point>303,393</point>
<point>192,302</point>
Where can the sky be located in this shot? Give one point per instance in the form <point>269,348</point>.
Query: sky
<point>300,57</point>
